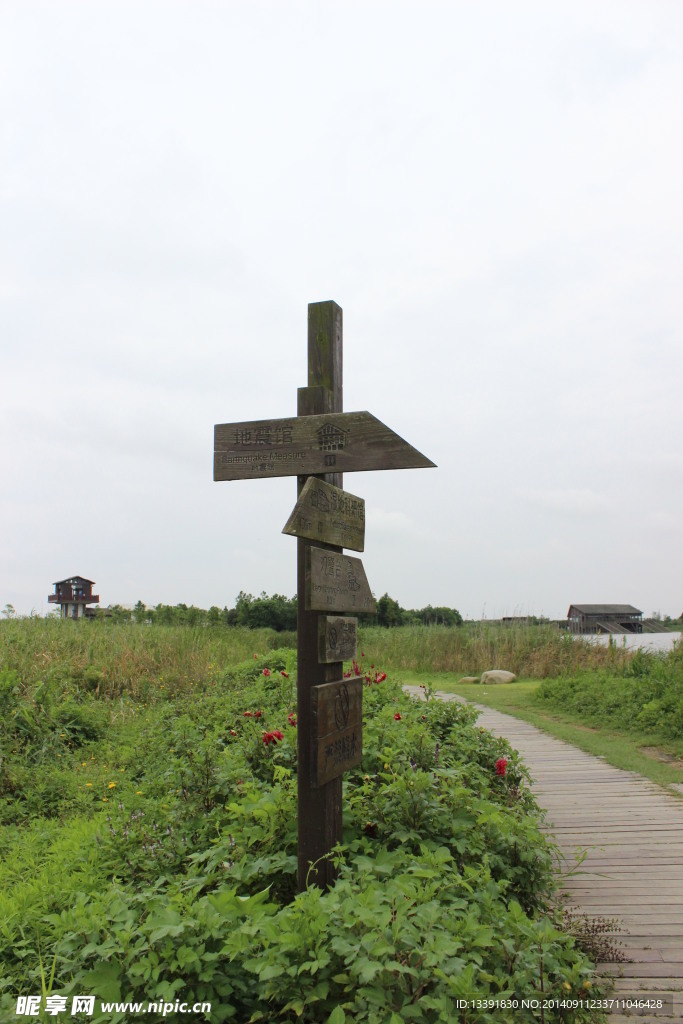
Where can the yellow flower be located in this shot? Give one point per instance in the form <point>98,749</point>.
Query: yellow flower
<point>138,792</point>
<point>567,986</point>
<point>112,784</point>
<point>83,764</point>
<point>386,767</point>
<point>104,799</point>
<point>88,783</point>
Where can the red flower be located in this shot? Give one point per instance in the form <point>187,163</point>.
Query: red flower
<point>501,765</point>
<point>247,714</point>
<point>256,656</point>
<point>397,717</point>
<point>356,669</point>
<point>285,674</point>
<point>347,675</point>
<point>380,677</point>
<point>232,732</point>
<point>266,671</point>
<point>257,714</point>
<point>291,718</point>
<point>273,737</point>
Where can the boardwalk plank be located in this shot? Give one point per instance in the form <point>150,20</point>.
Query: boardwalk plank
<point>631,833</point>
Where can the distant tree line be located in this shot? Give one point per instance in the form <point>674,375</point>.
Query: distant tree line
<point>390,613</point>
<point>273,611</point>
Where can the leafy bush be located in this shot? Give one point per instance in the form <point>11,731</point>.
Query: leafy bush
<point>647,696</point>
<point>41,734</point>
<point>175,870</point>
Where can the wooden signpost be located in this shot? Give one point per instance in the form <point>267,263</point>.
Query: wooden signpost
<point>337,638</point>
<point>336,583</point>
<point>317,446</point>
<point>327,514</point>
<point>337,713</point>
<point>338,442</point>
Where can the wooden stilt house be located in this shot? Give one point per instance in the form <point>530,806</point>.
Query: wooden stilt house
<point>73,595</point>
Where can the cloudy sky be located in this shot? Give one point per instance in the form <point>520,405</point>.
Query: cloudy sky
<point>492,191</point>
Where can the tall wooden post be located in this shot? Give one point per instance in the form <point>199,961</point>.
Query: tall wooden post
<point>320,809</point>
<point>319,444</point>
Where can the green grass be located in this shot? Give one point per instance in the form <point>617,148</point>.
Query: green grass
<point>116,658</point>
<point>531,652</point>
<point>149,842</point>
<point>621,749</point>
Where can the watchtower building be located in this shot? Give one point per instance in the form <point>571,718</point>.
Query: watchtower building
<point>73,595</point>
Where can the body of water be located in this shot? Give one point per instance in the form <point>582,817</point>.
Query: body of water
<point>632,641</point>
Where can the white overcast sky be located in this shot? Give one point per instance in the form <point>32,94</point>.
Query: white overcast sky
<point>492,191</point>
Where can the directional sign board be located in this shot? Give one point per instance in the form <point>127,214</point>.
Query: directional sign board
<point>341,442</point>
<point>336,582</point>
<point>329,515</point>
<point>337,638</point>
<point>323,443</point>
<point>337,717</point>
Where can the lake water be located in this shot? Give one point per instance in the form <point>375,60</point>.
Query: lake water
<point>632,641</point>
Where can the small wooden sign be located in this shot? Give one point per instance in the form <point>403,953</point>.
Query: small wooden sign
<point>337,718</point>
<point>336,582</point>
<point>340,442</point>
<point>328,514</point>
<point>337,638</point>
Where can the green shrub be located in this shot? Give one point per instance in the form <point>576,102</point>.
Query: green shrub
<point>176,872</point>
<point>647,696</point>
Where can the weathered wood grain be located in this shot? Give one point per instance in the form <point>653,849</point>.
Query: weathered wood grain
<point>631,832</point>
<point>319,808</point>
<point>336,582</point>
<point>328,515</point>
<point>335,442</point>
<point>337,718</point>
<point>337,638</point>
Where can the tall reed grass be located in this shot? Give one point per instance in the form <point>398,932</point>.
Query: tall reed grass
<point>117,658</point>
<point>534,652</point>
<point>123,657</point>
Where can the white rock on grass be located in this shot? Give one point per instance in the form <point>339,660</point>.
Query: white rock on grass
<point>497,675</point>
<point>469,679</point>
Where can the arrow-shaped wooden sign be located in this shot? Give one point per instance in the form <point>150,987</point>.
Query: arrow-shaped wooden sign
<point>343,442</point>
<point>329,515</point>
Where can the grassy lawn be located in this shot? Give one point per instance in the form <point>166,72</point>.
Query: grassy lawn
<point>148,842</point>
<point>621,749</point>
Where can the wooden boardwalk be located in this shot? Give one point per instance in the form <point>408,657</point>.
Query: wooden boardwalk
<point>632,832</point>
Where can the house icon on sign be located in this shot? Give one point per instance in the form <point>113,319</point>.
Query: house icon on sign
<point>331,438</point>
